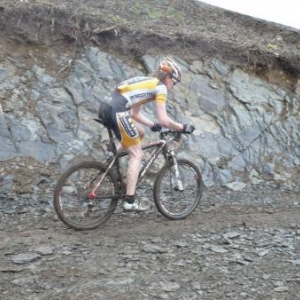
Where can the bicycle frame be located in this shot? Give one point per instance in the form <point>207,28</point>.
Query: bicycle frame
<point>160,146</point>
<point>87,193</point>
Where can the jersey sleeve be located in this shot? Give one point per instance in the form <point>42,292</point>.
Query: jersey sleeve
<point>161,93</point>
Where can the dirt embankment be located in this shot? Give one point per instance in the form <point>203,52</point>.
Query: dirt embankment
<point>188,29</point>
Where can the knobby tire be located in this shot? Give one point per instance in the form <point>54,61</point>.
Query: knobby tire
<point>71,201</point>
<point>171,202</point>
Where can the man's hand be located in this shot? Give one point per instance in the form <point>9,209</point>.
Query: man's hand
<point>187,128</point>
<point>156,127</point>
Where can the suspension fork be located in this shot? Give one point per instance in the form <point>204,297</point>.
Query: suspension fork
<point>175,171</point>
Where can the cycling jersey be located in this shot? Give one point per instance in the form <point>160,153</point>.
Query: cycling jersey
<point>136,91</point>
<point>126,95</point>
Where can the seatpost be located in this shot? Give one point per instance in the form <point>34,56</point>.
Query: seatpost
<point>115,154</point>
<point>112,143</point>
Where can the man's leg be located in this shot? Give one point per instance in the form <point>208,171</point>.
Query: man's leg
<point>131,141</point>
<point>141,132</point>
<point>134,162</point>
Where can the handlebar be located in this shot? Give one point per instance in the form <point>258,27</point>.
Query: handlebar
<point>166,131</point>
<point>176,135</point>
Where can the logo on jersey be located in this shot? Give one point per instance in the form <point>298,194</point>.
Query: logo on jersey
<point>128,126</point>
<point>141,95</point>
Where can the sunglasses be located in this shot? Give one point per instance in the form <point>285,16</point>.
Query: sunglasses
<point>174,81</point>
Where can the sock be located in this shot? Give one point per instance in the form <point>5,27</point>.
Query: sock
<point>129,199</point>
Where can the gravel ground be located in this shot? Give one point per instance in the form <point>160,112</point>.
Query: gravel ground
<point>236,245</point>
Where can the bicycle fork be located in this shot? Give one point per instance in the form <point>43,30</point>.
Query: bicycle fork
<point>176,182</point>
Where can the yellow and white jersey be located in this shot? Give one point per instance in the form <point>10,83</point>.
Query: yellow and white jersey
<point>138,90</point>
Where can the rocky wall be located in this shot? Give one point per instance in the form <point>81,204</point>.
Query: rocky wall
<point>247,129</point>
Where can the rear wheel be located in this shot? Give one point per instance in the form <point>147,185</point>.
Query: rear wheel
<point>173,203</point>
<point>72,202</point>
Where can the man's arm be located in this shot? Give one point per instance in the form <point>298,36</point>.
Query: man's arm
<point>164,119</point>
<point>139,117</point>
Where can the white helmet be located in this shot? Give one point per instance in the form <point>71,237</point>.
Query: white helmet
<point>169,66</point>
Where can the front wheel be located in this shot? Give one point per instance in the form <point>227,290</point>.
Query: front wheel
<point>72,201</point>
<point>172,202</point>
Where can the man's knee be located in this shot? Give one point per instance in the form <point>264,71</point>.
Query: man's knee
<point>136,152</point>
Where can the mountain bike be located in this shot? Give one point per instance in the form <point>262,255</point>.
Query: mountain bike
<point>87,193</point>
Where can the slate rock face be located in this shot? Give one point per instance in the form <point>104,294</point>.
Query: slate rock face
<point>239,92</point>
<point>246,129</point>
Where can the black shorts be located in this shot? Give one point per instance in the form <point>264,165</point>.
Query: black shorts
<point>121,123</point>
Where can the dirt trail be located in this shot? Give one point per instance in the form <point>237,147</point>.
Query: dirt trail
<point>225,250</point>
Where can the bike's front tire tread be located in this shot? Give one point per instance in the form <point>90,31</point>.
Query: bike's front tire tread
<point>158,183</point>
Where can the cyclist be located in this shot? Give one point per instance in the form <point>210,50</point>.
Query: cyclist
<point>121,111</point>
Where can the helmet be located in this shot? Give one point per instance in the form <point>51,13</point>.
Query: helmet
<point>169,66</point>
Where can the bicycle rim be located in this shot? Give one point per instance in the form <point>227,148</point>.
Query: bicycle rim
<point>171,202</point>
<point>72,203</point>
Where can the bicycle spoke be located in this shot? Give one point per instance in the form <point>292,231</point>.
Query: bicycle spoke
<point>72,201</point>
<point>173,202</point>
